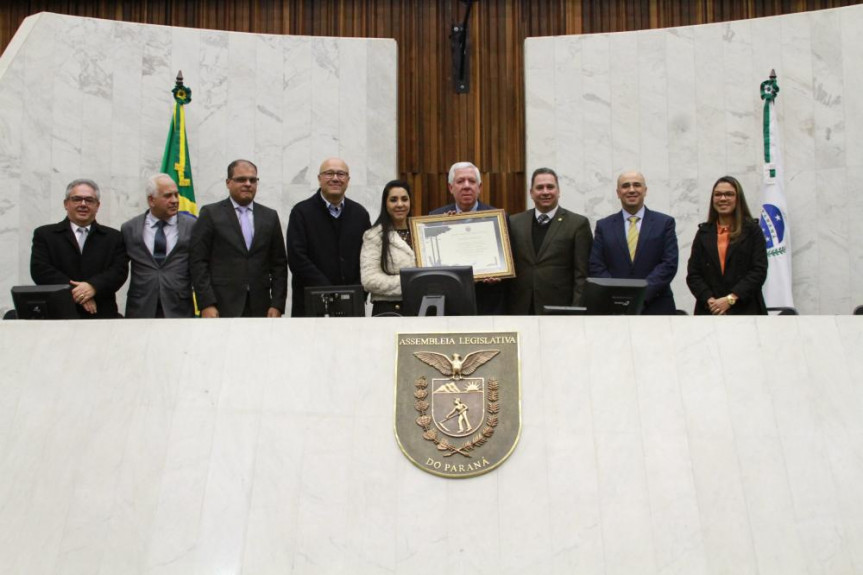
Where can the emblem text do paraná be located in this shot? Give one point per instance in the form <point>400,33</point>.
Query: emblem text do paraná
<point>458,401</point>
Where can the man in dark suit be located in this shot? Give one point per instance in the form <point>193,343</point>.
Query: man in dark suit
<point>157,243</point>
<point>637,243</point>
<point>325,235</point>
<point>465,184</point>
<point>237,255</point>
<point>550,246</point>
<point>82,253</point>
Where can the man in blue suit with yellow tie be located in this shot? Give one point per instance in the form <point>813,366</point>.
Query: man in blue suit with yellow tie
<point>637,243</point>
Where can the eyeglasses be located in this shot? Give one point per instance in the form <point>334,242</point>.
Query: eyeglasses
<point>244,179</point>
<point>719,195</point>
<point>330,174</point>
<point>90,201</point>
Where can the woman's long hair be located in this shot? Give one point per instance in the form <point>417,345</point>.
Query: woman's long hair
<point>741,209</point>
<point>386,223</point>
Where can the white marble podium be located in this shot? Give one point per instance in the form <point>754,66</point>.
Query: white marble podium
<point>649,445</point>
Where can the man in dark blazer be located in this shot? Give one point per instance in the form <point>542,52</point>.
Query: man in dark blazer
<point>654,244</point>
<point>550,246</point>
<point>157,243</point>
<point>237,255</point>
<point>465,184</point>
<point>82,253</point>
<point>325,235</point>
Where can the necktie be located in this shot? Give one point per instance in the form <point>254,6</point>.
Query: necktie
<point>335,211</point>
<point>542,219</point>
<point>160,243</point>
<point>82,237</point>
<point>632,236</point>
<point>246,226</point>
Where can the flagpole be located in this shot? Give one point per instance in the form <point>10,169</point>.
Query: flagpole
<point>774,221</point>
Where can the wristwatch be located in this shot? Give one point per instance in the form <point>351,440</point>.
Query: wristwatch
<point>732,299</point>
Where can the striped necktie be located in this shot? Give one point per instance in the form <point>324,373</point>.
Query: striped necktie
<point>632,236</point>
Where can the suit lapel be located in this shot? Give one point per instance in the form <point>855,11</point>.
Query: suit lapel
<point>138,239</point>
<point>710,244</point>
<point>525,228</point>
<point>619,235</point>
<point>65,228</point>
<point>234,225</point>
<point>646,227</point>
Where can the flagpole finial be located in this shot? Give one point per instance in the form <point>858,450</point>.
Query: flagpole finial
<point>180,78</point>
<point>773,74</point>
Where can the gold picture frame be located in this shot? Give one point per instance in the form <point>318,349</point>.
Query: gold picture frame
<point>478,239</point>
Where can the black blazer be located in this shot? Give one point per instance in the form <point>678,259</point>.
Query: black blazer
<point>323,250</point>
<point>655,257</point>
<point>745,270</point>
<point>56,259</point>
<point>224,271</point>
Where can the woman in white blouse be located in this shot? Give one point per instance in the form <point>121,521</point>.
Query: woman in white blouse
<point>387,249</point>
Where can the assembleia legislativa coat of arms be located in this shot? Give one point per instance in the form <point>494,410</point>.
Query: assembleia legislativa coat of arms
<point>457,401</point>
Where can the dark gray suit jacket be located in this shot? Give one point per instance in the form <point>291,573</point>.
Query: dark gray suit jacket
<point>555,275</point>
<point>224,272</point>
<point>169,285</point>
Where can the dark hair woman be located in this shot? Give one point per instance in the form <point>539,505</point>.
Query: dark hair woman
<point>387,249</point>
<point>728,263</point>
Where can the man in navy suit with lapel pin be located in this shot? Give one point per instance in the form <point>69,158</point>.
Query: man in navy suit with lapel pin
<point>637,243</point>
<point>550,247</point>
<point>82,253</point>
<point>238,261</point>
<point>157,243</point>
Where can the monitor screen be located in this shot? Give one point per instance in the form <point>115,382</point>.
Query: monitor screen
<point>335,301</point>
<point>446,290</point>
<point>611,296</point>
<point>44,302</point>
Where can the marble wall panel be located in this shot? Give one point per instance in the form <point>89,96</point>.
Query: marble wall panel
<point>91,98</point>
<point>698,116</point>
<point>742,455</point>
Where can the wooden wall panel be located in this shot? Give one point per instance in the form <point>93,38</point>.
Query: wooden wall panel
<point>436,126</point>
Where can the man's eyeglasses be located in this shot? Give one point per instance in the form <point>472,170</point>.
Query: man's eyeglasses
<point>90,201</point>
<point>244,179</point>
<point>330,174</point>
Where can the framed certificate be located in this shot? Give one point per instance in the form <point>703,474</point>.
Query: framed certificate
<point>478,239</point>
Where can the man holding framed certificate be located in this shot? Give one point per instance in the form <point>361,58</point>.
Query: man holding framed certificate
<point>465,184</point>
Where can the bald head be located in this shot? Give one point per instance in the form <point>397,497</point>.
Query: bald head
<point>333,178</point>
<point>631,190</point>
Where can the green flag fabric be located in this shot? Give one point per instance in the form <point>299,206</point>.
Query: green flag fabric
<point>175,160</point>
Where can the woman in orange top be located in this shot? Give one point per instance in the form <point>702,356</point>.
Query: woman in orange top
<point>728,263</point>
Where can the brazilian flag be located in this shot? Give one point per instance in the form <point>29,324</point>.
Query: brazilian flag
<point>175,160</point>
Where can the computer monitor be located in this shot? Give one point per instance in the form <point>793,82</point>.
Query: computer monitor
<point>612,296</point>
<point>335,301</point>
<point>44,302</point>
<point>445,290</point>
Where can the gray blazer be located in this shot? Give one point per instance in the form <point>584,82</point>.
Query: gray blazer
<point>171,284</point>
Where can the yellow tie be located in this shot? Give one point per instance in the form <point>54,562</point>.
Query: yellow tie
<point>632,236</point>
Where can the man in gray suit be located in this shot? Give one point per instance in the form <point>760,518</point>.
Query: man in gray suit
<point>157,243</point>
<point>551,248</point>
<point>238,261</point>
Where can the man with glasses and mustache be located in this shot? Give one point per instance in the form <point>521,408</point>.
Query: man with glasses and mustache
<point>237,254</point>
<point>80,252</point>
<point>325,235</point>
